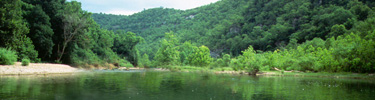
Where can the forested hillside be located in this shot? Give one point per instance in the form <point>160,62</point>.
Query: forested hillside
<point>230,26</point>
<point>60,31</point>
<point>251,35</point>
<point>286,34</point>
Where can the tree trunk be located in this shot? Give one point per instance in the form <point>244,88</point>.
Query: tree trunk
<point>62,51</point>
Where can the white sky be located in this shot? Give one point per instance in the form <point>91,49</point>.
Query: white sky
<point>128,7</point>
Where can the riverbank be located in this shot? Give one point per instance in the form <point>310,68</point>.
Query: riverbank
<point>47,68</point>
<point>37,69</point>
<point>276,72</point>
<point>305,74</point>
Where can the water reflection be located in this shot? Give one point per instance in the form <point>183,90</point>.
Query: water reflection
<point>141,85</point>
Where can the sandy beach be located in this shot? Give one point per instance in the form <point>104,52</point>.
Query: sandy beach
<point>36,68</point>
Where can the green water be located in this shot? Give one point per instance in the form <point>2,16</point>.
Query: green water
<point>146,85</point>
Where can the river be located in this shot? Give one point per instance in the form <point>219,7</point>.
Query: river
<point>156,85</point>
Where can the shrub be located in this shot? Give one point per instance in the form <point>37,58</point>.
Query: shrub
<point>129,65</point>
<point>83,56</point>
<point>25,62</point>
<point>219,63</point>
<point>200,57</point>
<point>252,61</point>
<point>144,61</point>
<point>213,65</point>
<point>7,57</point>
<point>253,68</point>
<point>122,64</point>
<point>226,60</point>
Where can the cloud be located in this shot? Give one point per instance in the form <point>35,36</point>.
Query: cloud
<point>128,7</point>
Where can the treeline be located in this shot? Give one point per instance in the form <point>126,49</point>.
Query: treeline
<point>304,35</point>
<point>230,26</point>
<point>354,51</point>
<point>60,31</point>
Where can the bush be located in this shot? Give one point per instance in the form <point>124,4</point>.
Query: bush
<point>7,57</point>
<point>128,65</point>
<point>219,62</point>
<point>144,61</point>
<point>200,56</point>
<point>253,68</point>
<point>83,56</point>
<point>226,60</point>
<point>25,62</point>
<point>122,64</point>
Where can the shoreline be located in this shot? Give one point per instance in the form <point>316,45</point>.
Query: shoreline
<point>37,69</point>
<point>50,68</point>
<point>343,75</point>
<point>339,75</point>
<point>276,72</point>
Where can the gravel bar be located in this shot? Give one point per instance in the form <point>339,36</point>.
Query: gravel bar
<point>36,69</point>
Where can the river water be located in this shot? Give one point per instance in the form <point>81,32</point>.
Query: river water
<point>153,85</point>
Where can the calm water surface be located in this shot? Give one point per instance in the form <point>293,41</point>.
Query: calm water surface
<point>148,85</point>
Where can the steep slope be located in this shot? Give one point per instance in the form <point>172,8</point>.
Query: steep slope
<point>230,26</point>
<point>151,24</point>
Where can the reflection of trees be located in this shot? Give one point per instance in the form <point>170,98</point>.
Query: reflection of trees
<point>162,85</point>
<point>172,83</point>
<point>150,82</point>
<point>19,87</point>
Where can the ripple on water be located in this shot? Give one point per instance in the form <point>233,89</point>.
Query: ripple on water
<point>149,85</point>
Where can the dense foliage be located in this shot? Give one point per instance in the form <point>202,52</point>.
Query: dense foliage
<point>7,57</point>
<point>304,35</point>
<point>13,30</point>
<point>251,35</point>
<point>60,31</point>
<point>230,26</point>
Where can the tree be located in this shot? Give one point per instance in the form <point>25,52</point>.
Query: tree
<point>337,30</point>
<point>13,30</point>
<point>226,60</point>
<point>186,49</point>
<point>145,61</point>
<point>55,11</point>
<point>40,30</point>
<point>200,56</point>
<point>125,46</point>
<point>250,60</point>
<point>75,24</point>
<point>168,53</point>
<point>101,42</point>
<point>361,11</point>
